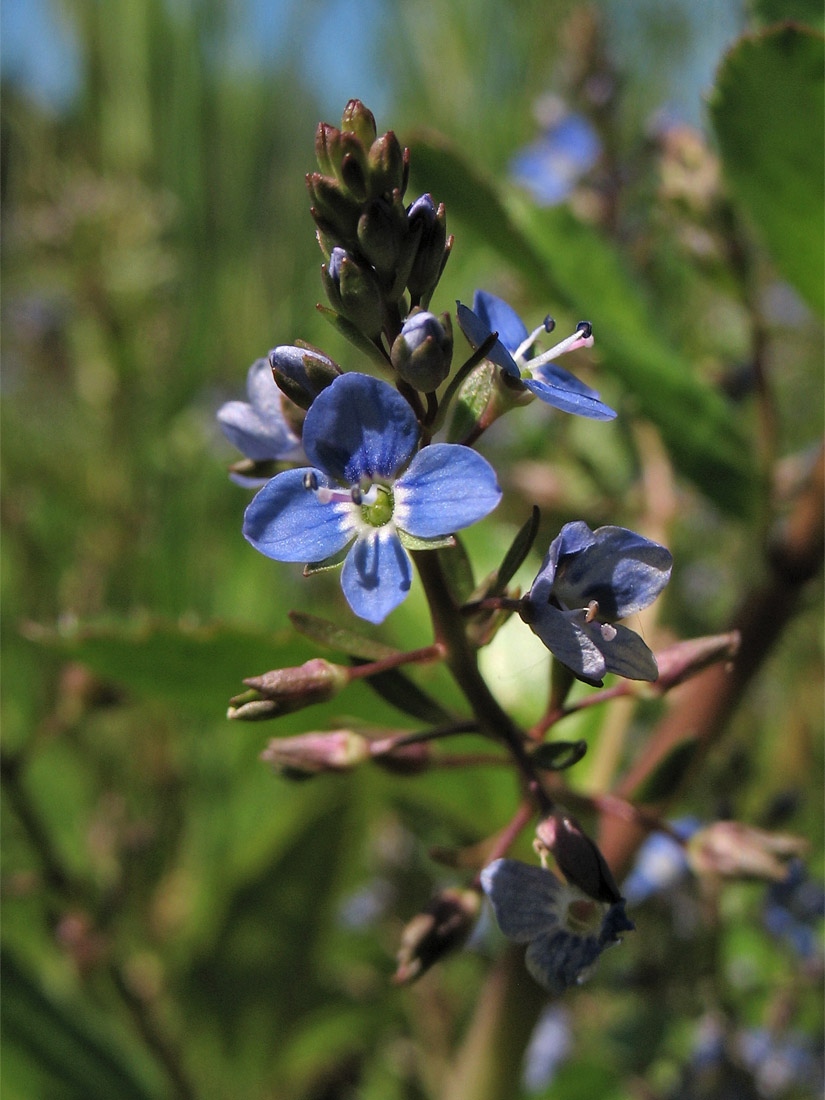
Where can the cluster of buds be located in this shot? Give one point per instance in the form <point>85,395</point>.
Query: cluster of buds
<point>377,250</point>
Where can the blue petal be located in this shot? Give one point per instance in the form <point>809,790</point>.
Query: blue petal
<point>524,898</point>
<point>566,640</point>
<point>569,400</point>
<point>290,361</point>
<point>287,521</point>
<point>377,574</point>
<point>625,654</point>
<point>446,487</point>
<point>499,317</point>
<point>257,427</point>
<point>477,332</point>
<point>558,959</point>
<point>360,428</point>
<point>623,571</point>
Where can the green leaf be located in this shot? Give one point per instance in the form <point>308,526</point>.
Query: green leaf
<point>562,257</point>
<point>769,115</point>
<point>519,549</point>
<point>397,688</point>
<point>558,755</point>
<point>336,637</point>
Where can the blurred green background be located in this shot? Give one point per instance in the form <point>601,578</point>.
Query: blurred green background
<point>178,922</point>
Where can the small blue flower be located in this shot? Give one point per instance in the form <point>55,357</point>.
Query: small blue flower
<point>794,909</point>
<point>588,580</point>
<point>566,930</point>
<point>370,490</point>
<point>511,352</point>
<point>551,166</point>
<point>257,427</point>
<point>660,863</point>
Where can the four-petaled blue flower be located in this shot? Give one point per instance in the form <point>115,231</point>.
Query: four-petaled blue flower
<point>587,581</point>
<point>369,488</point>
<point>566,930</point>
<point>551,384</point>
<point>257,427</point>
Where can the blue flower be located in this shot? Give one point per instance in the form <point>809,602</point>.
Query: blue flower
<point>566,930</point>
<point>660,863</point>
<point>257,427</point>
<point>588,580</point>
<point>511,352</point>
<point>369,490</point>
<point>551,166</point>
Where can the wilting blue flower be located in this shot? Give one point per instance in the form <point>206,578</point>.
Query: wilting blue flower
<point>368,489</point>
<point>588,580</point>
<point>566,930</point>
<point>257,427</point>
<point>551,166</point>
<point>511,352</point>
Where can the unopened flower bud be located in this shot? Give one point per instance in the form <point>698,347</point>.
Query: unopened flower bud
<point>315,681</point>
<point>423,351</point>
<point>730,849</point>
<point>578,858</point>
<point>353,290</point>
<point>386,166</point>
<point>360,120</point>
<point>334,209</point>
<point>310,754</point>
<point>432,248</point>
<point>381,230</point>
<point>302,372</point>
<point>444,926</point>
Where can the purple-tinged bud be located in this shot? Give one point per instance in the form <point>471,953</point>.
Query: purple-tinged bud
<point>423,351</point>
<point>301,372</point>
<point>354,167</point>
<point>328,148</point>
<point>309,754</point>
<point>679,662</point>
<point>360,120</point>
<point>315,681</point>
<point>432,249</point>
<point>732,850</point>
<point>353,290</point>
<point>386,166</point>
<point>443,927</point>
<point>578,858</point>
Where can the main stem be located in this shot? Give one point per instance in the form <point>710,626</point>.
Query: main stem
<point>461,660</point>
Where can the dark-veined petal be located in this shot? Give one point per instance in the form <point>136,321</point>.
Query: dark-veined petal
<point>560,959</point>
<point>564,637</point>
<point>447,487</point>
<point>377,574</point>
<point>569,399</point>
<point>525,898</point>
<point>360,428</point>
<point>287,522</point>
<point>477,332</point>
<point>625,653</point>
<point>500,317</point>
<point>623,571</point>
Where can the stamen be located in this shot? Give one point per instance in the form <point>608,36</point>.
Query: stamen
<point>581,338</point>
<point>356,494</point>
<point>591,611</point>
<point>547,325</point>
<point>609,632</point>
<point>324,493</point>
<point>311,481</point>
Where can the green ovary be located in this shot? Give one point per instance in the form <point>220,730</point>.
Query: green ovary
<point>379,512</point>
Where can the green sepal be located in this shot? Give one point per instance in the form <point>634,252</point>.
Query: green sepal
<point>395,687</point>
<point>471,402</point>
<point>413,542</point>
<point>350,642</point>
<point>332,562</point>
<point>355,337</point>
<point>556,756</point>
<point>520,547</point>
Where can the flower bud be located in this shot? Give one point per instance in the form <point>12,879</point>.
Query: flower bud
<point>682,660</point>
<point>309,754</point>
<point>386,166</point>
<point>432,249</point>
<point>328,148</point>
<point>578,858</point>
<point>360,120</point>
<point>731,849</point>
<point>443,927</point>
<point>423,350</point>
<point>302,372</point>
<point>315,681</point>
<point>381,230</point>
<point>334,210</point>
<point>353,290</point>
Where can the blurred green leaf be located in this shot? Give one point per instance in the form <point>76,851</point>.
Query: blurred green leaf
<point>769,113</point>
<point>60,1051</point>
<point>561,256</point>
<point>337,637</point>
